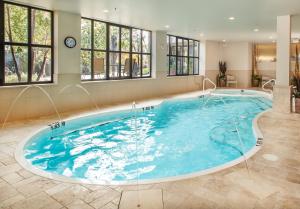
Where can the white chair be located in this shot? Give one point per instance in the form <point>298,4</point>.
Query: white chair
<point>231,80</point>
<point>99,71</point>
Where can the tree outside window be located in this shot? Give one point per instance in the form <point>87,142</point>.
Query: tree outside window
<point>28,48</point>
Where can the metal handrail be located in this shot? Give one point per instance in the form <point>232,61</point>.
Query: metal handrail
<point>241,144</point>
<point>207,79</point>
<point>268,82</point>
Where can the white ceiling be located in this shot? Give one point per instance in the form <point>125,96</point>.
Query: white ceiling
<point>187,17</point>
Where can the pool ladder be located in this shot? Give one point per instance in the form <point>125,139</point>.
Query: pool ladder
<point>272,82</point>
<point>210,81</point>
<point>209,90</point>
<point>235,121</point>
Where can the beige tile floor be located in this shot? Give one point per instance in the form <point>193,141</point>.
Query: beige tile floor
<point>269,185</point>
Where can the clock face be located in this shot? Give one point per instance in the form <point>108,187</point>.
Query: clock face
<point>70,42</point>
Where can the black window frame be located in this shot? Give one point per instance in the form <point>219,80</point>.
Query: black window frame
<point>29,44</point>
<point>119,51</point>
<point>182,56</point>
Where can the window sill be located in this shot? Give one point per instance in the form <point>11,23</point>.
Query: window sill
<point>14,86</point>
<point>182,76</point>
<point>117,80</point>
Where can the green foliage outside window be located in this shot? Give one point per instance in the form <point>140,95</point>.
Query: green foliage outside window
<point>117,51</point>
<point>19,50</point>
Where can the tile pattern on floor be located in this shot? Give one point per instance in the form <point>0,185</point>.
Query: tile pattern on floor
<point>269,185</point>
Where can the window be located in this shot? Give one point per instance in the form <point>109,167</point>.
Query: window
<point>183,56</point>
<point>26,44</point>
<point>110,51</point>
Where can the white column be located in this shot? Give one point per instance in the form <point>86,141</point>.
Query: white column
<point>202,61</point>
<point>67,61</point>
<point>282,92</point>
<point>159,54</point>
<point>283,50</point>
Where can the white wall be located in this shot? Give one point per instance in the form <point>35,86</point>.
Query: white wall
<point>67,61</point>
<point>267,68</point>
<point>214,53</point>
<point>237,55</point>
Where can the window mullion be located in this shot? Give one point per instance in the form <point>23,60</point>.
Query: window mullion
<point>52,46</point>
<point>176,56</point>
<point>107,51</point>
<point>188,63</point>
<point>92,51</point>
<point>194,55</point>
<point>30,54</point>
<point>169,50</point>
<point>198,47</point>
<point>188,60</point>
<point>150,54</point>
<point>130,52</point>
<point>120,52</point>
<point>2,48</point>
<point>141,53</point>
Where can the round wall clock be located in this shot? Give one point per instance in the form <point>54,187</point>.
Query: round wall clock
<point>70,42</point>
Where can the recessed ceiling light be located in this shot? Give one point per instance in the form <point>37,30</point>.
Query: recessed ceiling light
<point>223,40</point>
<point>167,26</point>
<point>231,18</point>
<point>256,30</point>
<point>106,11</point>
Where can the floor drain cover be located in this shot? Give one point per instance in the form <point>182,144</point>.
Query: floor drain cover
<point>143,199</point>
<point>270,157</point>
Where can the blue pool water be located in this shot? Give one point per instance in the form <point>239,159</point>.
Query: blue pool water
<point>175,138</point>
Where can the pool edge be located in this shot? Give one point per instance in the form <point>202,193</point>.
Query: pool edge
<point>19,154</point>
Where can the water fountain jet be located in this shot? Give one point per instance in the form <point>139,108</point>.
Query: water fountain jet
<point>19,96</point>
<point>83,89</point>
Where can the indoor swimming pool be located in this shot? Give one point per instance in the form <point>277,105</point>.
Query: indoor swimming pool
<point>179,137</point>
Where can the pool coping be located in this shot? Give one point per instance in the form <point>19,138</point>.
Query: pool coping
<point>19,152</point>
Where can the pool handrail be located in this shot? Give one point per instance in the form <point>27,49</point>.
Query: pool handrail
<point>241,144</point>
<point>269,82</point>
<point>204,82</point>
